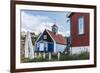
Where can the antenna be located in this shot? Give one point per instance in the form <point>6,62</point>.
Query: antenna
<point>54,21</point>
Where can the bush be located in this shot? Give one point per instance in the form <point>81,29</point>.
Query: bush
<point>81,56</point>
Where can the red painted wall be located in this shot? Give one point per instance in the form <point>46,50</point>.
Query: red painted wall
<point>79,40</point>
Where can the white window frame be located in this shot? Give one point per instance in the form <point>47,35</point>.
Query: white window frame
<point>45,37</point>
<point>41,47</point>
<point>81,25</point>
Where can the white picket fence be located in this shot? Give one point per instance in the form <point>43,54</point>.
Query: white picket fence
<point>38,54</point>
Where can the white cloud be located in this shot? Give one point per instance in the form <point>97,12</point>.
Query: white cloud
<point>65,33</point>
<point>37,24</point>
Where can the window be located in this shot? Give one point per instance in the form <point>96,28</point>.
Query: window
<point>45,37</point>
<point>81,25</point>
<point>41,48</point>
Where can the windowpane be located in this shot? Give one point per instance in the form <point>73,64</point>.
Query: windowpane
<point>81,25</point>
<point>41,47</point>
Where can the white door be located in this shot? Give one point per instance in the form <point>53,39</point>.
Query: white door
<point>41,47</point>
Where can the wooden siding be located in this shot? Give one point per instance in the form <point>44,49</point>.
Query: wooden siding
<point>80,40</point>
<point>49,39</point>
<point>60,47</point>
<point>50,43</point>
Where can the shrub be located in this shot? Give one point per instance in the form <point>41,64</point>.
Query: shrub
<point>81,56</point>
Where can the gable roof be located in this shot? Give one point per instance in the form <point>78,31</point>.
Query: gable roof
<point>58,38</point>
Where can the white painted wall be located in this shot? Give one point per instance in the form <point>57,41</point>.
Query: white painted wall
<point>78,50</point>
<point>60,48</point>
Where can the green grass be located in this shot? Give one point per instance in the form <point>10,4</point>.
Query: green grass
<point>81,56</point>
<point>63,57</point>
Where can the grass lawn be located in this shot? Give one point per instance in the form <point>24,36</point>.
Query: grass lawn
<point>63,57</point>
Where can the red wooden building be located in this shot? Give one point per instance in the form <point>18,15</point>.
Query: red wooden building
<point>79,28</point>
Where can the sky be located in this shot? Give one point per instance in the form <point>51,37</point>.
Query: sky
<point>38,21</point>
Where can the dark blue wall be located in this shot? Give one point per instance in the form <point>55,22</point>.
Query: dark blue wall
<point>50,47</point>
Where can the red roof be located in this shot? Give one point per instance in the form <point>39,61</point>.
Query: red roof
<point>58,38</point>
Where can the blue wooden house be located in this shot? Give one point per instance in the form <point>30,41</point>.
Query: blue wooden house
<point>50,41</point>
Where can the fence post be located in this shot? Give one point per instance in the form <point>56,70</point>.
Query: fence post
<point>44,55</point>
<point>49,56</point>
<point>58,55</point>
<point>39,54</point>
<point>35,54</point>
